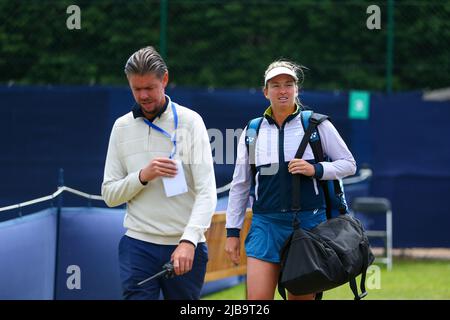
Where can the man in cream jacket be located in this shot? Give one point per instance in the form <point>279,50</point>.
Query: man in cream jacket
<point>159,163</point>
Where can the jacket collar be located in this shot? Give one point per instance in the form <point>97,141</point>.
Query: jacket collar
<point>269,116</point>
<point>137,110</point>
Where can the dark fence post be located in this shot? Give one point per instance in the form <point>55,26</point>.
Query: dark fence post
<point>390,46</point>
<point>163,29</point>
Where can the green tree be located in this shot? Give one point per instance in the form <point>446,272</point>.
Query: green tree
<point>218,43</point>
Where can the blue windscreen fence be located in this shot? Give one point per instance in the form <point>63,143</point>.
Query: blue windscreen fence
<point>71,254</point>
<point>27,248</point>
<point>88,243</point>
<point>43,129</point>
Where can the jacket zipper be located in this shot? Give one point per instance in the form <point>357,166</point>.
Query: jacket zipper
<point>315,186</point>
<point>256,186</point>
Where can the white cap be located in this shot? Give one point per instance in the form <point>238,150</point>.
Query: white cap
<point>277,71</point>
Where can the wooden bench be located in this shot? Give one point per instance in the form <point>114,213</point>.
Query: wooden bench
<point>219,265</point>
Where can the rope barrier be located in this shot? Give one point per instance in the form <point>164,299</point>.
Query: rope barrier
<point>364,174</point>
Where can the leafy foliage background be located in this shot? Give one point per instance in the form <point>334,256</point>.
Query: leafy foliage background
<point>227,43</point>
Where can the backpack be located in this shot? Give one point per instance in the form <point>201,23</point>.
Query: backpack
<point>333,189</point>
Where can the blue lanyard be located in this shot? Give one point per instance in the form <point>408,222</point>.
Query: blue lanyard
<point>172,138</point>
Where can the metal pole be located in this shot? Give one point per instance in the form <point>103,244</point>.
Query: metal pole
<point>58,214</point>
<point>163,29</point>
<point>60,184</point>
<point>389,240</point>
<point>390,46</point>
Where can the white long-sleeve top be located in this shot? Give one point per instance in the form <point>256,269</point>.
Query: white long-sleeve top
<point>267,152</point>
<point>152,216</point>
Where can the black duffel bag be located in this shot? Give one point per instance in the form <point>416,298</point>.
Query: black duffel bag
<point>325,257</point>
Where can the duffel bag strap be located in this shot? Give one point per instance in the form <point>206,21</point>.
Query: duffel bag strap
<point>281,288</point>
<point>362,284</point>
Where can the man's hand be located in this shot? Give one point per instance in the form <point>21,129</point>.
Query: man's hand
<point>300,166</point>
<point>158,167</point>
<point>232,247</point>
<point>183,258</point>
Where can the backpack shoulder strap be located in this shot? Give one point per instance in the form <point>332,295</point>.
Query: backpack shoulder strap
<point>310,130</point>
<point>251,134</point>
<point>309,117</point>
<point>310,121</point>
<point>314,119</point>
<point>305,115</point>
<point>252,131</point>
<point>318,117</point>
<point>316,146</point>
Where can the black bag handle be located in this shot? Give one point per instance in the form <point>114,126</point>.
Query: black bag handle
<point>298,155</point>
<point>316,146</point>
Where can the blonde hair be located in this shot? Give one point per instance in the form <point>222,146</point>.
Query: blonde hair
<point>298,69</point>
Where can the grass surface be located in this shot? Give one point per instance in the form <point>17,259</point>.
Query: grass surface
<point>408,280</point>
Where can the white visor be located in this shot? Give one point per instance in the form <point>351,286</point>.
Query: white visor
<point>277,71</point>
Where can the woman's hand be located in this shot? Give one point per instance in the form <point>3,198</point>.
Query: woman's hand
<point>300,166</point>
<point>232,247</point>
